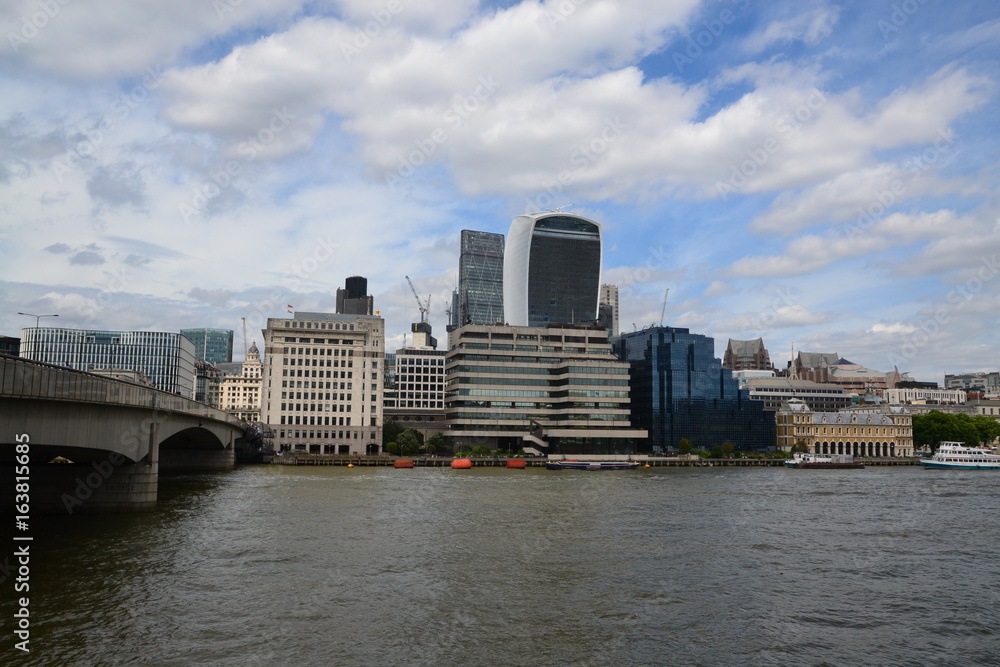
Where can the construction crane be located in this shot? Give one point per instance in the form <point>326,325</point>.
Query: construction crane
<point>244,337</point>
<point>424,307</point>
<point>663,312</point>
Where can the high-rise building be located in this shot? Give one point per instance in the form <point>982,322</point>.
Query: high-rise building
<point>480,279</point>
<point>213,345</point>
<point>609,298</point>
<point>167,359</point>
<point>322,388</point>
<point>557,389</point>
<point>552,270</point>
<point>417,387</point>
<point>353,298</point>
<point>680,390</point>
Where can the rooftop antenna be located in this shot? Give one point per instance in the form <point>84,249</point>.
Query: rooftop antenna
<point>792,374</point>
<point>560,209</point>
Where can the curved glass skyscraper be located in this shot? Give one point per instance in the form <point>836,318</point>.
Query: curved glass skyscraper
<point>552,270</point>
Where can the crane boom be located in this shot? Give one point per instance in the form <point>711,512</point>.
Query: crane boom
<point>420,304</point>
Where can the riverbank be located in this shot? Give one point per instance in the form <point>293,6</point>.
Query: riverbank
<point>486,461</point>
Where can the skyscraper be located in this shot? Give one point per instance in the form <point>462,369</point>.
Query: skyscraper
<point>552,270</point>
<point>480,279</point>
<point>212,345</point>
<point>353,298</point>
<point>609,298</point>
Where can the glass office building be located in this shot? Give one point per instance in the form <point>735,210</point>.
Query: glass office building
<point>552,270</point>
<point>680,390</point>
<point>167,359</point>
<point>480,279</point>
<point>213,345</point>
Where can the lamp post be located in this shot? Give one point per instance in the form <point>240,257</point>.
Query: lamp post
<point>37,317</point>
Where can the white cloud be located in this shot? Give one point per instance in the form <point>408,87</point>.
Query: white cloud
<point>810,27</point>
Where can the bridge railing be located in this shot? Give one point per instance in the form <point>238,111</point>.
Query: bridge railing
<point>21,378</point>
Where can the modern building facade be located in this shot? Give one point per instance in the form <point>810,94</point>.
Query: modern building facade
<point>353,298</point>
<point>552,270</point>
<point>213,345</point>
<point>680,390</point>
<point>322,386</point>
<point>986,383</point>
<point>554,390</point>
<point>774,392</point>
<point>167,359</point>
<point>240,392</point>
<point>208,383</point>
<point>609,297</point>
<point>10,345</point>
<point>883,432</point>
<point>914,396</point>
<point>415,395</point>
<point>742,355</point>
<point>479,298</point>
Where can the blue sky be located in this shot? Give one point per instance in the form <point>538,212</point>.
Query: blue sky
<point>820,174</point>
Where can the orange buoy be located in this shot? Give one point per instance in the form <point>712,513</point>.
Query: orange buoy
<point>350,465</point>
<point>402,463</point>
<point>516,463</point>
<point>461,464</point>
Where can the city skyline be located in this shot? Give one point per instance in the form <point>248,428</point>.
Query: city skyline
<point>820,175</point>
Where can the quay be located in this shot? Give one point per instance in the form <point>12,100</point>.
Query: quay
<point>491,462</point>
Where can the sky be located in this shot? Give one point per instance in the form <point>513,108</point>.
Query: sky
<point>823,175</point>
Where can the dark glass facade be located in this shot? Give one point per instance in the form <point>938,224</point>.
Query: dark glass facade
<point>680,390</point>
<point>564,271</point>
<point>213,345</point>
<point>480,278</point>
<point>353,299</point>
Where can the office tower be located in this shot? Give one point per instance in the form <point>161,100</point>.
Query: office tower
<point>554,390</point>
<point>552,270</point>
<point>480,279</point>
<point>680,390</point>
<point>353,298</point>
<point>212,345</point>
<point>167,359</point>
<point>322,389</point>
<point>609,298</point>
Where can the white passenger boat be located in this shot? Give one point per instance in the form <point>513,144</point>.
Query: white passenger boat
<point>820,461</point>
<point>957,455</point>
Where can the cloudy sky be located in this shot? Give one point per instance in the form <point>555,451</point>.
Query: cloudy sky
<point>821,174</point>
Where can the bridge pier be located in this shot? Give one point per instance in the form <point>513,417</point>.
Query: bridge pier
<point>95,487</point>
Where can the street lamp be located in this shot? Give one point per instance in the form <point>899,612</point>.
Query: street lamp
<point>37,317</point>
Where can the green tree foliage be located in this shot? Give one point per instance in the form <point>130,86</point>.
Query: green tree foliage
<point>481,450</point>
<point>391,448</point>
<point>936,427</point>
<point>685,446</point>
<point>716,452</point>
<point>409,442</point>
<point>390,431</point>
<point>727,449</point>
<point>434,444</point>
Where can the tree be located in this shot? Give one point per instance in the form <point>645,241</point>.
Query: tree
<point>434,444</point>
<point>727,449</point>
<point>684,446</point>
<point>391,448</point>
<point>409,442</point>
<point>481,450</point>
<point>390,431</point>
<point>989,428</point>
<point>716,452</point>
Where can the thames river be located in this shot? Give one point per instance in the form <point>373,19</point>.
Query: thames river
<point>276,565</point>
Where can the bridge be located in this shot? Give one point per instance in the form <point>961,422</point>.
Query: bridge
<point>89,443</point>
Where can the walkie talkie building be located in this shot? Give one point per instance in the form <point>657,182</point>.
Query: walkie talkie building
<point>552,270</point>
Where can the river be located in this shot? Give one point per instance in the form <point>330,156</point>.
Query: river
<point>277,565</point>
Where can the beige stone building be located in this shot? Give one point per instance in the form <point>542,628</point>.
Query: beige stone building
<point>884,432</point>
<point>240,392</point>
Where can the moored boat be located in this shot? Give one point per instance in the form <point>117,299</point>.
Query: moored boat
<point>573,464</point>
<point>823,461</point>
<point>957,456</point>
